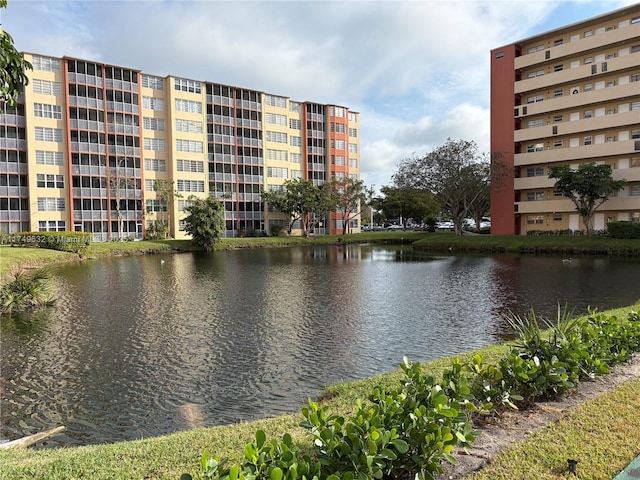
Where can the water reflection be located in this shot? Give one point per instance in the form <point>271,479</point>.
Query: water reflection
<point>139,347</point>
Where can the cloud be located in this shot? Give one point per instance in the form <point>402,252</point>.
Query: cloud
<point>417,71</point>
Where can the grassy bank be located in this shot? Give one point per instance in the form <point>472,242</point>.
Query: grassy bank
<point>606,428</point>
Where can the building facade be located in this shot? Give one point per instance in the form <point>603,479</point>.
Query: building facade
<point>567,96</point>
<point>114,151</point>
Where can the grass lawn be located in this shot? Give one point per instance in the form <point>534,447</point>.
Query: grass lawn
<point>603,435</point>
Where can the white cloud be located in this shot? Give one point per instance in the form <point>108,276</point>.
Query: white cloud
<point>418,72</point>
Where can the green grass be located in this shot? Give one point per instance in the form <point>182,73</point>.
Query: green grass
<point>566,245</point>
<point>603,435</point>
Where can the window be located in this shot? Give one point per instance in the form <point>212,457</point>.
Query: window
<point>610,111</point>
<point>152,103</point>
<point>46,87</point>
<point>294,107</point>
<point>150,184</point>
<point>635,77</point>
<point>353,148</point>
<point>45,134</point>
<point>635,133</point>
<point>295,124</point>
<point>51,226</point>
<point>275,119</point>
<point>189,146</point>
<point>44,110</point>
<point>586,141</point>
<point>557,217</point>
<point>587,114</point>
<point>154,83</point>
<point>277,172</point>
<point>535,123</point>
<point>635,20</point>
<point>535,98</point>
<point>296,174</point>
<point>188,106</point>
<point>557,144</point>
<point>154,144</point>
<point>537,48</point>
<point>557,42</point>
<point>155,165</point>
<point>279,155</point>
<point>535,147</point>
<point>193,166</point>
<point>603,67</point>
<point>353,163</point>
<point>588,60</point>
<point>588,87</point>
<point>353,132</point>
<point>588,33</point>
<point>499,55</point>
<point>278,137</point>
<point>537,73</point>
<point>45,64</point>
<point>337,127</point>
<point>634,190</point>
<point>190,86</point>
<point>190,186</point>
<point>295,141</point>
<point>557,118</point>
<point>611,84</point>
<point>558,93</point>
<point>190,126</point>
<point>535,220</point>
<point>295,158</point>
<point>337,112</point>
<point>49,158</point>
<point>182,204</point>
<point>535,196</point>
<point>558,68</point>
<point>150,123</point>
<point>48,204</point>
<point>274,101</point>
<point>338,144</point>
<point>635,105</point>
<point>49,181</point>
<point>156,206</point>
<point>610,138</point>
<point>353,117</point>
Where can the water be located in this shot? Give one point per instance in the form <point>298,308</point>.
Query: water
<point>137,347</point>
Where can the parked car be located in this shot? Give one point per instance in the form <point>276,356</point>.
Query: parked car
<point>445,226</point>
<point>395,227</point>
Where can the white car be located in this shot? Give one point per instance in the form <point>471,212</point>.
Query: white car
<point>395,227</point>
<point>445,226</point>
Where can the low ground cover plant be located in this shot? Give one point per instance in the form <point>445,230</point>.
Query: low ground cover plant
<point>406,432</point>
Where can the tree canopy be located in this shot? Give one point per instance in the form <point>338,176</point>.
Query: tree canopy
<point>12,67</point>
<point>588,187</point>
<point>407,202</point>
<point>454,173</point>
<point>301,200</point>
<point>348,196</point>
<point>205,221</point>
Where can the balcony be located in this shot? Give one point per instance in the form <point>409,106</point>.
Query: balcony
<point>596,42</point>
<point>16,143</point>
<point>13,167</point>
<point>94,170</point>
<point>77,124</point>
<point>122,107</point>
<point>8,191</point>
<point>587,152</point>
<point>86,79</point>
<point>126,129</point>
<point>85,147</point>
<point>86,102</point>
<point>121,85</point>
<point>14,216</point>
<point>17,120</point>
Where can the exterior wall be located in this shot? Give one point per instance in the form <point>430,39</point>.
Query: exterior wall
<point>575,98</point>
<point>101,126</point>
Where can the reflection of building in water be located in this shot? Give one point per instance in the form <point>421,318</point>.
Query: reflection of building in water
<point>567,96</point>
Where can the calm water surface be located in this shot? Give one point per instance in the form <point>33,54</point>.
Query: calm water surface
<point>137,347</point>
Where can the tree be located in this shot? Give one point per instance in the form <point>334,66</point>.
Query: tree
<point>12,67</point>
<point>158,228</point>
<point>300,200</point>
<point>348,196</point>
<point>119,183</point>
<point>480,185</point>
<point>205,221</point>
<point>588,187</point>
<point>408,202</point>
<point>450,173</point>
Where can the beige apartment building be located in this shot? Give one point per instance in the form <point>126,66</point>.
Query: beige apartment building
<point>567,96</point>
<point>93,147</point>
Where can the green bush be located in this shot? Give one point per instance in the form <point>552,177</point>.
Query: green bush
<point>623,229</point>
<point>75,242</point>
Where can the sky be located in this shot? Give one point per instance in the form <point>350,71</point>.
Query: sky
<point>416,71</point>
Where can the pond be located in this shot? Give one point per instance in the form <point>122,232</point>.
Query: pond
<point>145,346</point>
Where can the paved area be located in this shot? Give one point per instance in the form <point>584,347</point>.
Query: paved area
<point>632,471</point>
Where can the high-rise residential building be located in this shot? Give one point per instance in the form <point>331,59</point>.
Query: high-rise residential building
<point>567,96</point>
<point>102,148</point>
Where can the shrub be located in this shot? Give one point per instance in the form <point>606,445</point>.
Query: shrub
<point>624,229</point>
